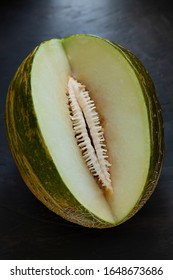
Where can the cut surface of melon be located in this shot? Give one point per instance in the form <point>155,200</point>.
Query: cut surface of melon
<point>116,91</point>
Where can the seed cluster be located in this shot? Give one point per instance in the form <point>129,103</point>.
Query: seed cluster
<point>88,132</point>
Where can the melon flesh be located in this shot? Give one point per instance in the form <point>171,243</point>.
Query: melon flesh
<point>116,91</point>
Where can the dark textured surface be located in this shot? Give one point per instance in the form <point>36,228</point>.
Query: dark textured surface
<point>28,230</point>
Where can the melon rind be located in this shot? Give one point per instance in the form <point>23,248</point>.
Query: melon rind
<point>33,158</point>
<point>155,126</point>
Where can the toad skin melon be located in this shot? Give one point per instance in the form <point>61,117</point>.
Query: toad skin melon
<point>85,129</point>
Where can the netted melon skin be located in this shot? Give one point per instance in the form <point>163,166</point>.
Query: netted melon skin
<point>35,163</point>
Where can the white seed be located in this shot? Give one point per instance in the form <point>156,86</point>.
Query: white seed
<point>83,115</point>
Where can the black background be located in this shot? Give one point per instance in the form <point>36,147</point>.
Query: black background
<point>28,230</point>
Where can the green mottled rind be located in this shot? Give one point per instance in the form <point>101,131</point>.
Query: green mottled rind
<point>31,154</point>
<point>155,125</point>
<point>35,163</point>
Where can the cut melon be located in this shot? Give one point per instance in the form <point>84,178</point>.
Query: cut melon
<point>85,128</point>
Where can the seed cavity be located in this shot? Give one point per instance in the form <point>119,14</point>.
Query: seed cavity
<point>89,132</point>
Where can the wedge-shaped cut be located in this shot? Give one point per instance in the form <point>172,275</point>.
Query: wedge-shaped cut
<point>44,140</point>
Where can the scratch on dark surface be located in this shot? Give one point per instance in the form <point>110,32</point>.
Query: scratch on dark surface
<point>165,20</point>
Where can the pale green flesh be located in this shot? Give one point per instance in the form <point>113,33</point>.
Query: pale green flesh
<point>119,100</point>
